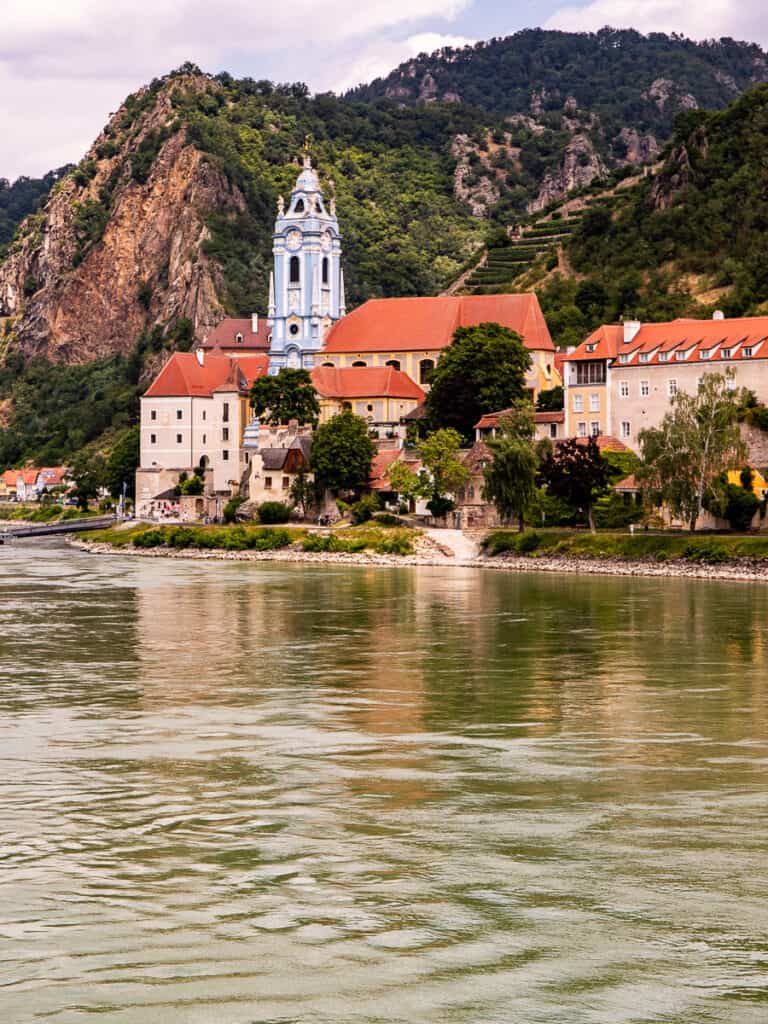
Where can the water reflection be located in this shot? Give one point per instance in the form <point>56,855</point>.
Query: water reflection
<point>239,793</point>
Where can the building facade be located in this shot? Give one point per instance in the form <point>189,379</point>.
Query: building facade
<point>306,287</point>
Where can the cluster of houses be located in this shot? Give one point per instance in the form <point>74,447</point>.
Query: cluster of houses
<point>30,484</point>
<point>377,360</point>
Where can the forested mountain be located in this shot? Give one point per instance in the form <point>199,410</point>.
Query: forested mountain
<point>22,197</point>
<point>689,240</point>
<point>165,225</point>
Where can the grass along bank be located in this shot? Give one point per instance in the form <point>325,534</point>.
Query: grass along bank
<point>11,512</point>
<point>351,540</point>
<point>712,549</point>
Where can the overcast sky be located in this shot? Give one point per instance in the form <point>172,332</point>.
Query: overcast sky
<point>65,64</point>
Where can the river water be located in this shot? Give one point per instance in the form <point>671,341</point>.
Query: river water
<point>240,793</point>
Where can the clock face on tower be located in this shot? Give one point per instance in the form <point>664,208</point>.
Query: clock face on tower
<point>293,239</point>
<point>325,241</point>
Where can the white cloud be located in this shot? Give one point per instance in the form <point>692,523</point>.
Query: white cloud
<point>65,65</point>
<point>379,59</point>
<point>706,19</point>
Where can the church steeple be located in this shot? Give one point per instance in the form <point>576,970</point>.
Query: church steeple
<point>306,286</point>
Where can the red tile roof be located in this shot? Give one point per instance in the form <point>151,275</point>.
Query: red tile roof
<point>491,419</point>
<point>183,376</point>
<point>28,476</point>
<point>695,340</point>
<point>604,442</point>
<point>382,460</point>
<point>10,476</point>
<point>224,335</point>
<point>629,483</point>
<point>364,382</point>
<point>398,325</point>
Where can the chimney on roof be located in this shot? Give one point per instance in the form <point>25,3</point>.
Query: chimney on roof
<point>200,356</point>
<point>255,323</point>
<point>718,315</point>
<point>631,328</point>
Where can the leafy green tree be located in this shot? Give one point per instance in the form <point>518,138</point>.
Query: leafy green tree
<point>89,473</point>
<point>550,400</point>
<point>342,453</point>
<point>404,481</point>
<point>289,395</point>
<point>510,479</point>
<point>444,472</point>
<point>577,473</point>
<point>122,464</point>
<point>303,492</point>
<point>696,441</point>
<point>482,370</point>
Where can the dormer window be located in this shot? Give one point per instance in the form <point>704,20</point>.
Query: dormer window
<point>239,338</point>
<point>726,353</point>
<point>706,353</point>
<point>644,357</point>
<point>680,356</point>
<point>663,357</point>
<point>747,352</point>
<point>624,357</point>
<point>592,346</point>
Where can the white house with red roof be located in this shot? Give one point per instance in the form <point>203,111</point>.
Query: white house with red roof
<point>194,414</point>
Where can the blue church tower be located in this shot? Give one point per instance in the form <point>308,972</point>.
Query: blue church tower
<point>306,287</point>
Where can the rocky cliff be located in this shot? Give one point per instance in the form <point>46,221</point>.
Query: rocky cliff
<point>117,248</point>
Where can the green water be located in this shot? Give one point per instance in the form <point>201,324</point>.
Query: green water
<point>235,793</point>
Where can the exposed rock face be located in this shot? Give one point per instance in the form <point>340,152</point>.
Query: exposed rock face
<point>74,302</point>
<point>640,149</point>
<point>664,92</point>
<point>479,195</point>
<point>580,166</point>
<point>675,176</point>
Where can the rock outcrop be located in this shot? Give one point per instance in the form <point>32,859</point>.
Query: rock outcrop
<point>639,149</point>
<point>664,92</point>
<point>118,248</point>
<point>477,190</point>
<point>580,166</point>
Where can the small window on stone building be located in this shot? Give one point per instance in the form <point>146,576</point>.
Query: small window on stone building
<point>553,430</point>
<point>179,439</point>
<point>645,388</point>
<point>625,428</point>
<point>624,388</point>
<point>594,428</point>
<point>394,363</point>
<point>294,270</point>
<point>286,483</point>
<point>203,413</point>
<point>582,429</point>
<point>225,434</point>
<point>325,270</point>
<point>369,408</point>
<point>153,438</point>
<point>203,438</point>
<point>267,483</point>
<point>327,364</point>
<point>360,362</point>
<point>153,414</point>
<point>179,414</point>
<point>225,455</point>
<point>225,413</point>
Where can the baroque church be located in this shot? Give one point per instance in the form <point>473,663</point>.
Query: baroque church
<point>306,286</point>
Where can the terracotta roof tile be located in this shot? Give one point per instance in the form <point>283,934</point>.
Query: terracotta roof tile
<point>364,382</point>
<point>183,376</point>
<point>410,324</point>
<point>224,335</point>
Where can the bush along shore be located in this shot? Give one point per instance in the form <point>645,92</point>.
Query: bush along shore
<point>708,556</point>
<point>360,544</point>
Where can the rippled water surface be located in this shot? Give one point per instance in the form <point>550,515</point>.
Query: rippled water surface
<point>241,793</point>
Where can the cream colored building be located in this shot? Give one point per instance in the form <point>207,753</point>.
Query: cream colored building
<point>194,414</point>
<point>621,380</point>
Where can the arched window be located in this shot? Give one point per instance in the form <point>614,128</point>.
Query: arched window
<point>299,207</point>
<point>394,363</point>
<point>295,270</point>
<point>325,270</point>
<point>328,364</point>
<point>360,362</point>
<point>239,338</point>
<point>426,366</point>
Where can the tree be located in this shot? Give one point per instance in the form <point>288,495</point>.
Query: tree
<point>342,453</point>
<point>123,463</point>
<point>550,400</point>
<point>482,370</point>
<point>510,480</point>
<point>444,473</point>
<point>695,443</point>
<point>302,492</point>
<point>287,396</point>
<point>576,472</point>
<point>404,481</point>
<point>89,473</point>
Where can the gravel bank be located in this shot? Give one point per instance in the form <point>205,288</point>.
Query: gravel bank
<point>428,553</point>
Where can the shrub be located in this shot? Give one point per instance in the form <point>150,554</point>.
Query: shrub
<point>274,512</point>
<point>399,544</point>
<point>386,519</point>
<point>230,509</point>
<point>705,552</point>
<point>518,543</point>
<point>364,509</point>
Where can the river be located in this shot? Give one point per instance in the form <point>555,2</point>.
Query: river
<point>235,793</point>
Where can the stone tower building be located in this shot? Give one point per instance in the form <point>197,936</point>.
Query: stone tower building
<point>306,287</point>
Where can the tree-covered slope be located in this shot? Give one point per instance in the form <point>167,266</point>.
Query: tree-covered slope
<point>22,197</point>
<point>688,240</point>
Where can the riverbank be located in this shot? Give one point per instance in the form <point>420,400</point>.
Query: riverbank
<point>428,552</point>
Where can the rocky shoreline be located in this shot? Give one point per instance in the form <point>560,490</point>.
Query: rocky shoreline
<point>430,554</point>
